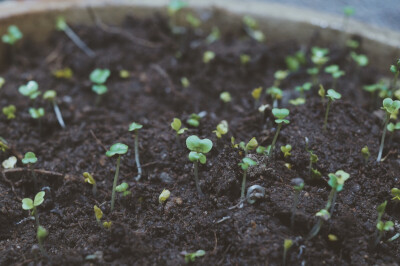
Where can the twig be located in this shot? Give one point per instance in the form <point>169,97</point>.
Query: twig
<point>98,141</point>
<point>11,184</point>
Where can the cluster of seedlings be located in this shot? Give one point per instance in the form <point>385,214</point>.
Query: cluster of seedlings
<point>199,148</point>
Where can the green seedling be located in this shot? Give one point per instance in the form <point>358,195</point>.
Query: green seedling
<point>124,74</point>
<point>3,145</point>
<point>37,114</point>
<point>9,111</point>
<point>379,232</point>
<point>298,185</point>
<point>336,182</point>
<point>198,147</point>
<point>319,56</point>
<point>31,90</point>
<point>395,69</point>
<point>214,35</point>
<point>225,97</point>
<point>98,213</point>
<point>392,127</point>
<point>323,215</point>
<point>208,56</point>
<point>382,227</point>
<point>107,225</point>
<point>31,205</point>
<point>135,128</point>
<point>263,150</point>
<point>62,25</point>
<point>286,150</point>
<point>245,59</point>
<point>90,180</point>
<point>194,119</point>
<point>12,36</point>
<point>365,153</point>
<point>293,62</point>
<point>177,126</point>
<point>360,59</point>
<point>391,107</point>
<point>191,257</point>
<point>193,21</point>
<point>245,164</point>
<point>297,101</point>
<point>276,94</point>
<point>41,235</point>
<point>251,28</point>
<point>99,77</point>
<point>64,73</point>
<point>332,95</point>
<point>280,115</point>
<point>50,96</point>
<point>352,44</point>
<point>287,244</point>
<point>164,196</point>
<point>185,82</point>
<point>251,145</point>
<point>313,72</point>
<point>395,193</point>
<point>279,76</point>
<point>123,188</point>
<point>2,82</point>
<point>9,163</point>
<point>116,149</point>
<point>302,89</point>
<point>222,129</point>
<point>30,159</point>
<point>336,73</point>
<point>256,94</point>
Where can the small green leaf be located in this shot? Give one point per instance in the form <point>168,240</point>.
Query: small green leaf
<point>117,148</point>
<point>98,213</point>
<point>324,214</point>
<point>135,126</point>
<point>39,198</point>
<point>208,56</point>
<point>61,24</point>
<point>27,204</point>
<point>13,35</point>
<point>381,208</point>
<point>49,95</point>
<point>333,95</point>
<point>287,244</point>
<point>31,89</point>
<point>225,97</point>
<point>99,76</point>
<point>99,89</point>
<point>29,157</point>
<point>391,106</point>
<point>194,143</point>
<point>194,156</point>
<point>164,196</point>
<point>122,187</point>
<point>249,161</point>
<point>36,113</point>
<point>176,124</point>
<point>9,111</point>
<point>41,233</point>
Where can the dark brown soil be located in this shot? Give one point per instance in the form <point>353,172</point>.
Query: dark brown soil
<point>145,232</point>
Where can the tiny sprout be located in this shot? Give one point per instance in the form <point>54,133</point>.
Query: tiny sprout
<point>302,89</point>
<point>335,72</point>
<point>382,227</point>
<point>62,25</point>
<point>29,204</point>
<point>332,237</point>
<point>194,119</point>
<point>287,244</point>
<point>198,147</point>
<point>9,111</point>
<point>298,185</point>
<point>391,107</point>
<point>30,159</point>
<point>245,164</point>
<point>280,115</point>
<point>396,193</point>
<point>353,44</point>
<point>135,128</point>
<point>185,82</point>
<point>245,59</point>
<point>279,76</point>
<point>336,181</point>
<point>256,94</point>
<point>191,257</point>
<point>31,90</point>
<point>124,74</point>
<point>90,180</point>
<point>116,149</point>
<point>332,95</point>
<point>360,59</point>
<point>177,126</point>
<point>2,82</point>
<point>395,69</point>
<point>222,129</point>
<point>99,77</point>
<point>208,56</point>
<point>193,21</point>
<point>98,213</point>
<point>323,215</point>
<point>9,163</point>
<point>251,28</point>
<point>293,62</point>
<point>392,127</point>
<point>50,96</point>
<point>251,145</point>
<point>379,224</point>
<point>276,94</point>
<point>286,150</point>
<point>36,113</point>
<point>123,188</point>
<point>297,101</point>
<point>263,150</point>
<point>65,73</point>
<point>12,36</point>
<point>3,145</point>
<point>107,225</point>
<point>164,196</point>
<point>225,97</point>
<point>41,235</point>
<point>319,58</point>
<point>365,153</point>
<point>214,35</point>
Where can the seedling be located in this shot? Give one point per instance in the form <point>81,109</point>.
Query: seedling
<point>360,59</point>
<point>191,257</point>
<point>391,107</point>
<point>30,205</point>
<point>2,82</point>
<point>319,58</point>
<point>50,96</point>
<point>62,25</point>
<point>352,44</point>
<point>99,77</point>
<point>65,73</point>
<point>198,147</point>
<point>365,153</point>
<point>175,5</point>
<point>302,89</point>
<point>245,164</point>
<point>225,97</point>
<point>392,127</point>
<point>41,235</point>
<point>9,163</point>
<point>185,82</point>
<point>245,59</point>
<point>37,114</point>
<point>395,69</point>
<point>279,76</point>
<point>256,94</point>
<point>336,73</point>
<point>194,119</point>
<point>135,128</point>
<point>3,145</point>
<point>9,111</point>
<point>323,215</point>
<point>193,21</point>
<point>214,35</point>
<point>29,160</point>
<point>293,62</point>
<point>297,101</point>
<point>298,185</point>
<point>222,129</point>
<point>251,145</point>
<point>263,150</point>
<point>11,37</point>
<point>31,90</point>
<point>395,193</point>
<point>251,28</point>
<point>90,180</point>
<point>98,213</point>
<point>164,196</point>
<point>276,94</point>
<point>123,188</point>
<point>382,227</point>
<point>286,150</point>
<point>336,181</point>
<point>287,244</point>
<point>208,56</point>
<point>332,95</point>
<point>177,126</point>
<point>116,149</point>
<point>280,115</point>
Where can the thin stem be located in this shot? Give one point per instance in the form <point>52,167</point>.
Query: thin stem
<point>36,217</point>
<point>94,189</point>
<point>275,103</point>
<point>41,248</point>
<point>383,137</point>
<point>310,168</point>
<point>98,100</point>
<point>378,238</point>
<point>75,38</point>
<point>326,113</point>
<point>394,82</point>
<point>137,178</point>
<point>330,199</point>
<point>58,114</point>
<point>30,167</point>
<point>196,177</point>
<point>177,140</point>
<point>295,203</point>
<point>115,183</point>
<point>284,256</point>
<point>315,230</point>
<point>243,185</point>
<point>334,84</point>
<point>333,202</point>
<point>275,137</point>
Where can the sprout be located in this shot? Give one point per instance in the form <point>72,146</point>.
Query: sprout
<point>177,126</point>
<point>194,119</point>
<point>336,181</point>
<point>107,225</point>
<point>245,164</point>
<point>116,149</point>
<point>31,90</point>
<point>352,44</point>
<point>90,180</point>
<point>287,244</point>
<point>276,94</point>
<point>99,77</point>
<point>50,96</point>
<point>222,129</point>
<point>37,114</point>
<point>198,147</point>
<point>335,72</point>
<point>124,74</point>
<point>214,35</point>
<point>256,94</point>
<point>293,62</point>
<point>12,36</point>
<point>251,145</point>
<point>251,28</point>
<point>302,89</point>
<point>30,159</point>
<point>323,215</point>
<point>263,150</point>
<point>62,25</point>
<point>396,193</point>
<point>286,150</point>
<point>29,204</point>
<point>391,107</point>
<point>392,127</point>
<point>10,162</point>
<point>2,82</point>
<point>332,95</point>
<point>65,73</point>
<point>135,128</point>
<point>360,59</point>
<point>3,145</point>
<point>348,11</point>
<point>185,82</point>
<point>9,111</point>
<point>123,188</point>
<point>395,69</point>
<point>164,196</point>
<point>208,56</point>
<point>193,21</point>
<point>280,115</point>
<point>297,101</point>
<point>382,227</point>
<point>191,257</point>
<point>365,153</point>
<point>41,235</point>
<point>245,59</point>
<point>319,58</point>
<point>279,76</point>
<point>225,97</point>
<point>298,185</point>
<point>98,213</point>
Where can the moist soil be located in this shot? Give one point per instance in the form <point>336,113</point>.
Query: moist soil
<point>145,232</point>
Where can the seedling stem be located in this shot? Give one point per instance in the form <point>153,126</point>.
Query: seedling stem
<point>115,183</point>
<point>383,137</point>
<point>139,167</point>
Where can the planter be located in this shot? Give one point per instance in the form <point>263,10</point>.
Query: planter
<point>145,231</point>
